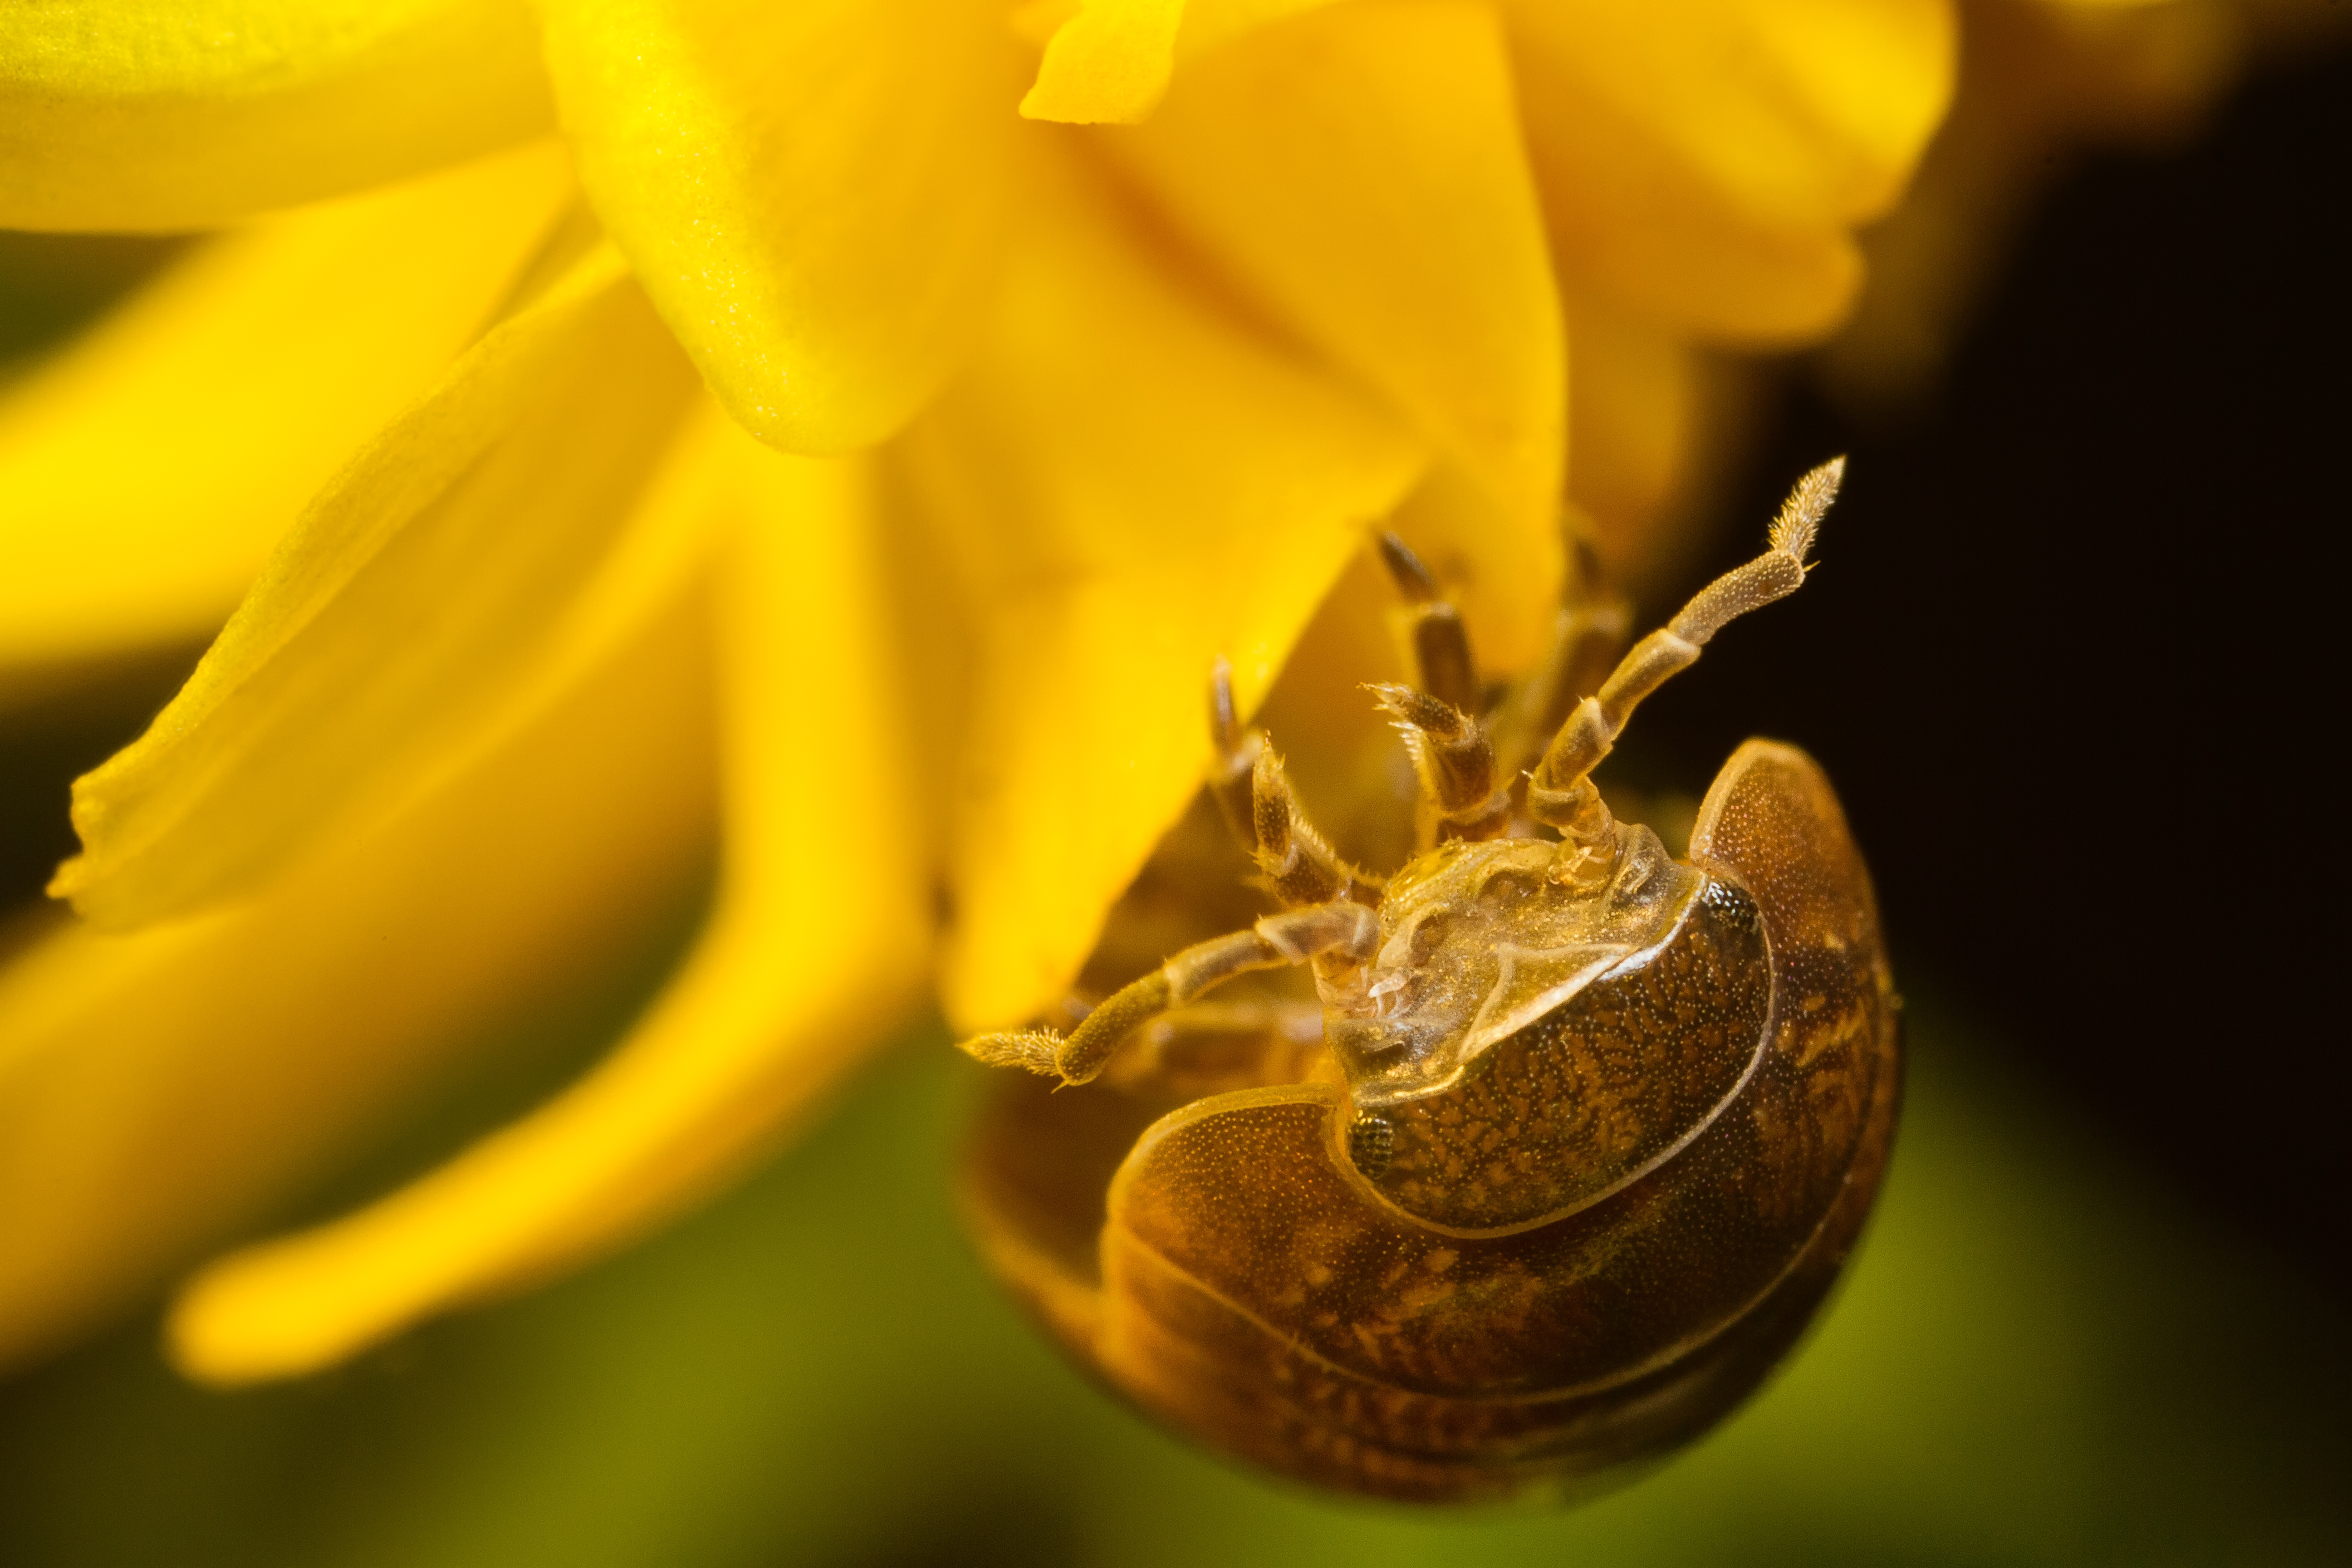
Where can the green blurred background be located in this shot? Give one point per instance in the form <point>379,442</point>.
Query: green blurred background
<point>2100,1316</point>
<point>2036,1360</point>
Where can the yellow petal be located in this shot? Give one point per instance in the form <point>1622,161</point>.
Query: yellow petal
<point>160,1090</point>
<point>1127,483</point>
<point>1359,170</point>
<point>416,596</point>
<point>1109,62</point>
<point>1209,23</point>
<point>146,471</point>
<point>809,191</point>
<point>164,114</point>
<point>1704,159</point>
<point>819,941</point>
<point>1632,419</point>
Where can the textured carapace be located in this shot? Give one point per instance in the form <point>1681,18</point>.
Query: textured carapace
<point>1569,1145</point>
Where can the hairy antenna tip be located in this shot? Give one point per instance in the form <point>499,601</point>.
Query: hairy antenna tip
<point>1801,514</point>
<point>1033,1049</point>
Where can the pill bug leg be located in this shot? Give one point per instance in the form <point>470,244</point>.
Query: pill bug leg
<point>1341,933</point>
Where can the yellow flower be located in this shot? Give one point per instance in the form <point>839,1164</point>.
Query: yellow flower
<point>857,469</point>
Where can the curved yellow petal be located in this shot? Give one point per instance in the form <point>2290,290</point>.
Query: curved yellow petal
<point>166,114</point>
<point>810,191</point>
<point>1127,484</point>
<point>1360,172</point>
<point>147,469</point>
<point>418,592</point>
<point>1706,159</point>
<point>160,1090</point>
<point>1108,63</point>
<point>819,943</point>
<point>1801,112</point>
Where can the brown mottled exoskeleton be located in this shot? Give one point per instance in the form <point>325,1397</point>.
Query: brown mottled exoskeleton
<point>1567,1156</point>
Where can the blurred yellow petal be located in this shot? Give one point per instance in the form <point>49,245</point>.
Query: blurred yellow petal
<point>810,192</point>
<point>164,114</point>
<point>146,471</point>
<point>1209,23</point>
<point>161,1090</point>
<point>1128,484</point>
<point>1705,159</point>
<point>1631,417</point>
<point>1109,62</point>
<point>427,583</point>
<point>1635,225</point>
<point>820,942</point>
<point>1359,170</point>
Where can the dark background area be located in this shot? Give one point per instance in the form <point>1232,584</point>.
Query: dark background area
<point>2070,656</point>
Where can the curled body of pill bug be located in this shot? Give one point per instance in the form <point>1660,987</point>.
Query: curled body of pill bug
<point>1571,1145</point>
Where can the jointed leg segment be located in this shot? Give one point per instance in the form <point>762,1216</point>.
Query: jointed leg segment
<point>1465,796</point>
<point>1456,761</point>
<point>1588,634</point>
<point>1441,648</point>
<point>1298,864</point>
<point>1439,717</point>
<point>1343,929</point>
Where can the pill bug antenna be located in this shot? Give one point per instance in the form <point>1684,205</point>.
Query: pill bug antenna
<point>1801,515</point>
<point>1560,793</point>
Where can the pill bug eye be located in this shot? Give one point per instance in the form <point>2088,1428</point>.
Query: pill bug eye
<point>1371,1143</point>
<point>1523,1162</point>
<point>1733,904</point>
